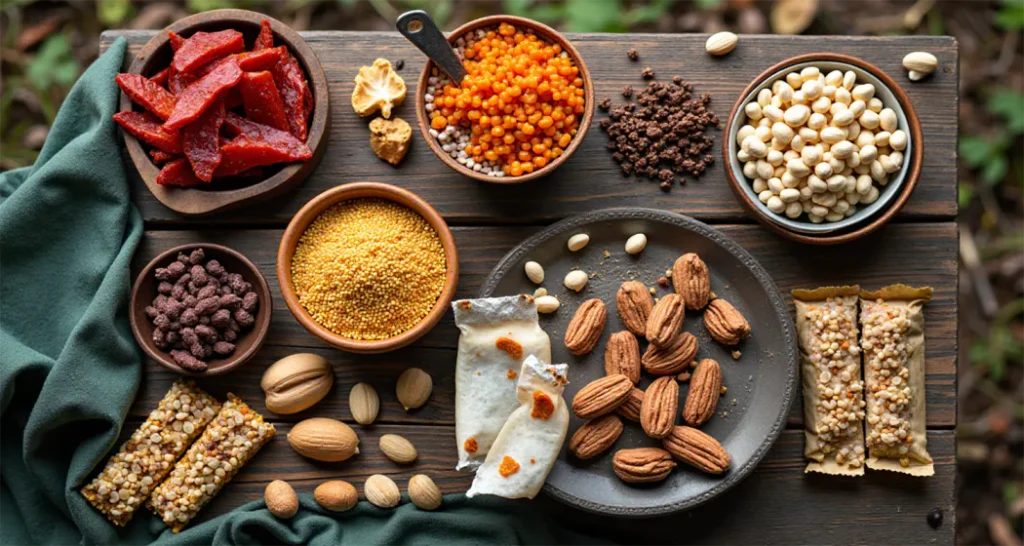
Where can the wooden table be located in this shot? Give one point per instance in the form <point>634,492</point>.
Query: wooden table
<point>777,503</point>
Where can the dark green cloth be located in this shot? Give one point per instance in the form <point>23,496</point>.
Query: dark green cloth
<point>70,367</point>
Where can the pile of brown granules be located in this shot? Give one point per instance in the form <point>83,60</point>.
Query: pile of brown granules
<point>368,269</point>
<point>661,135</point>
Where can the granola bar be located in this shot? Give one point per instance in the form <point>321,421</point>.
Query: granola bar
<point>826,321</point>
<point>146,458</point>
<point>233,437</point>
<point>892,321</point>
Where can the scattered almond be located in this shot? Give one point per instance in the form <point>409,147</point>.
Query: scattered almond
<point>596,436</point>
<point>296,382</point>
<point>575,280</point>
<point>691,281</point>
<point>398,449</point>
<point>534,272</point>
<point>666,320</point>
<point>547,304</point>
<point>671,359</point>
<point>324,439</point>
<point>642,464</point>
<point>424,493</point>
<point>697,449</point>
<point>281,499</point>
<point>578,241</point>
<point>364,403</point>
<point>721,43</point>
<point>336,495</point>
<point>725,324</point>
<point>414,388</point>
<point>622,356</point>
<point>636,244</point>
<point>634,304</point>
<point>601,396</point>
<point>381,491</point>
<point>584,330</point>
<point>705,389</point>
<point>658,411</point>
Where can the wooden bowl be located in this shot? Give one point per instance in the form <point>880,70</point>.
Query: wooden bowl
<point>223,195</point>
<point>868,219</point>
<point>357,190</point>
<point>543,31</point>
<point>248,342</point>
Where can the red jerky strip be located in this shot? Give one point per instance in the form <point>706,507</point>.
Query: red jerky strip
<point>205,47</point>
<point>160,156</point>
<point>235,125</point>
<point>146,94</point>
<point>147,128</point>
<point>243,153</point>
<point>266,38</point>
<point>255,172</point>
<point>233,98</point>
<point>200,141</point>
<point>176,40</point>
<point>262,101</point>
<point>291,83</point>
<point>160,78</point>
<point>176,83</point>
<point>307,100</point>
<point>261,60</point>
<point>178,173</point>
<point>199,96</point>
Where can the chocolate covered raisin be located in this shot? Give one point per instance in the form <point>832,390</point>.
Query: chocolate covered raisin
<point>214,268</point>
<point>188,362</point>
<point>221,318</point>
<point>197,350</point>
<point>151,312</point>
<point>173,338</point>
<point>230,301</point>
<point>159,338</point>
<point>207,292</point>
<point>244,318</point>
<point>223,348</point>
<point>183,258</point>
<point>250,302</point>
<point>164,287</point>
<point>207,334</point>
<point>184,280</point>
<point>189,317</point>
<point>178,292</point>
<point>196,257</point>
<point>208,306</point>
<point>189,301</point>
<point>230,335</point>
<point>161,321</point>
<point>199,276</point>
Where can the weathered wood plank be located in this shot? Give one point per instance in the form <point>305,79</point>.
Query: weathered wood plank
<point>590,179</point>
<point>918,254</point>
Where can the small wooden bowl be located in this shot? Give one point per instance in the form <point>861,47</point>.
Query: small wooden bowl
<point>223,195</point>
<point>906,180</point>
<point>248,342</point>
<point>357,190</point>
<point>543,31</point>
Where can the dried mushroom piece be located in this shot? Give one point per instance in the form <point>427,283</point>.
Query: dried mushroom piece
<point>390,139</point>
<point>826,324</point>
<point>892,324</point>
<point>378,87</point>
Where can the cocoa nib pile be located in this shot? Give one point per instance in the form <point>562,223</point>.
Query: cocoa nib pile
<point>661,135</point>
<point>200,310</point>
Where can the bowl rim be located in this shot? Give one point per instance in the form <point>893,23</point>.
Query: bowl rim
<point>213,201</point>
<point>871,223</point>
<point>356,190</point>
<point>544,31</point>
<point>232,362</point>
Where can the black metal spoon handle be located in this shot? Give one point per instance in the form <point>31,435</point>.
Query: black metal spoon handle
<point>420,29</point>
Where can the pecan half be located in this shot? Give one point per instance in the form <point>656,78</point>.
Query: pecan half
<point>601,396</point>
<point>594,437</point>
<point>671,359</point>
<point>666,320</point>
<point>697,449</point>
<point>658,411</point>
<point>642,464</point>
<point>630,409</point>
<point>690,280</point>
<point>584,330</point>
<point>725,324</point>
<point>622,356</point>
<point>634,304</point>
<point>705,390</point>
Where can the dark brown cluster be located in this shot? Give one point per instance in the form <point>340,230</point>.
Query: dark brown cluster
<point>200,310</point>
<point>661,135</point>
<point>647,73</point>
<point>633,54</point>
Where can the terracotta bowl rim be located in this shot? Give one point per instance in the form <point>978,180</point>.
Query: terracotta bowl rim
<point>356,190</point>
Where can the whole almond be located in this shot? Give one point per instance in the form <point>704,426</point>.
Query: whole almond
<point>414,388</point>
<point>671,359</point>
<point>634,304</point>
<point>705,390</point>
<point>324,439</point>
<point>381,491</point>
<point>601,396</point>
<point>281,499</point>
<point>424,493</point>
<point>725,324</point>
<point>622,356</point>
<point>697,449</point>
<point>296,382</point>
<point>721,43</point>
<point>666,320</point>
<point>642,464</point>
<point>691,281</point>
<point>336,495</point>
<point>594,437</point>
<point>398,449</point>
<point>658,411</point>
<point>364,403</point>
<point>584,330</point>
<point>630,409</point>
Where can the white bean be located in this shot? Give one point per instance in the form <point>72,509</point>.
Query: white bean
<point>882,138</point>
<point>831,135</point>
<point>863,92</point>
<point>779,171</point>
<point>898,141</point>
<point>793,79</point>
<point>753,111</point>
<point>811,89</point>
<point>742,155</point>
<point>853,130</point>
<point>750,169</point>
<point>836,183</point>
<point>849,78</point>
<point>764,97</point>
<point>842,150</point>
<point>857,108</point>
<point>809,136</point>
<point>821,104</point>
<point>835,108</point>
<point>887,164</point>
<point>833,216</point>
<point>843,97</point>
<point>798,167</point>
<point>794,210</point>
<point>775,204</point>
<point>852,161</point>
<point>887,119</point>
<point>759,185</point>
<point>875,104</point>
<point>782,132</point>
<point>774,158</point>
<point>864,184</point>
<point>773,113</point>
<point>877,171</point>
<point>841,206</point>
<point>764,122</point>
<point>897,158</point>
<point>743,133</point>
<point>837,165</point>
<point>823,170</point>
<point>864,138</point>
<point>869,120</point>
<point>853,198</point>
<point>805,195</point>
<point>814,218</point>
<point>824,199</point>
<point>789,195</point>
<point>817,121</point>
<point>790,154</point>
<point>764,169</point>
<point>796,115</point>
<point>790,181</point>
<point>763,133</point>
<point>811,155</point>
<point>819,211</point>
<point>834,77</point>
<point>871,197</point>
<point>785,92</point>
<point>797,143</point>
<point>843,118</point>
<point>798,97</point>
<point>765,196</point>
<point>809,73</point>
<point>816,184</point>
<point>868,153</point>
<point>777,145</point>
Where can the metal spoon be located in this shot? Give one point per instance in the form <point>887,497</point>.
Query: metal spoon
<point>420,29</point>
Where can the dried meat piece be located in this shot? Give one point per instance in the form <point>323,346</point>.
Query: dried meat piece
<point>262,100</point>
<point>205,47</point>
<point>160,78</point>
<point>147,128</point>
<point>146,94</point>
<point>266,38</point>
<point>176,83</point>
<point>233,98</point>
<point>200,141</point>
<point>243,153</point>
<point>178,173</point>
<point>307,100</point>
<point>160,156</point>
<point>235,125</point>
<point>196,98</point>
<point>291,83</point>
<point>175,39</point>
<point>266,59</point>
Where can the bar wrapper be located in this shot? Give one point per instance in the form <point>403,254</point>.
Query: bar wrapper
<point>497,334</point>
<point>892,339</point>
<point>830,362</point>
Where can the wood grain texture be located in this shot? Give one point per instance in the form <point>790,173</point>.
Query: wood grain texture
<point>918,254</point>
<point>590,180</point>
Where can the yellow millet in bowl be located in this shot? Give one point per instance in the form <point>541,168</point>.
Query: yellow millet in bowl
<point>368,269</point>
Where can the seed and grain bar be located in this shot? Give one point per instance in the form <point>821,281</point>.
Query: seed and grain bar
<point>146,458</point>
<point>232,438</point>
<point>892,321</point>
<point>826,322</point>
